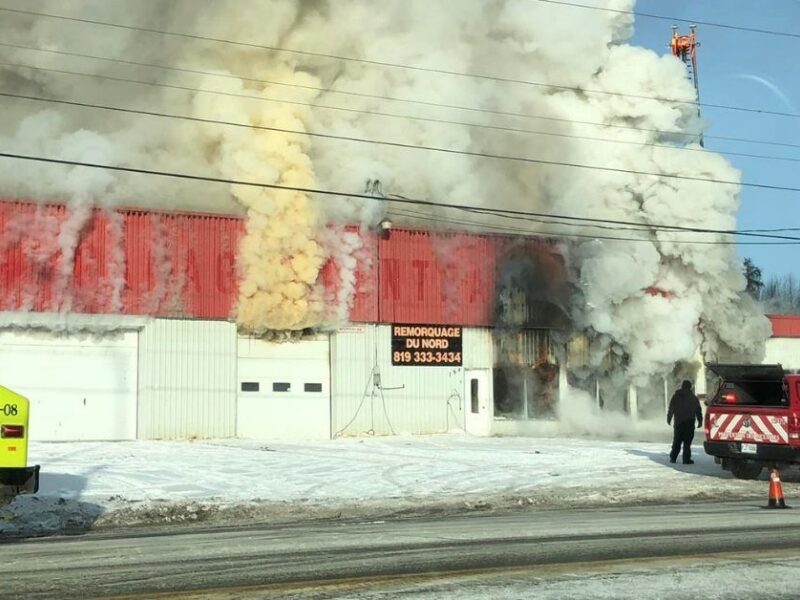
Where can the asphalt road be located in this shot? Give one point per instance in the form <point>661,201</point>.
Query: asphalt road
<point>343,554</point>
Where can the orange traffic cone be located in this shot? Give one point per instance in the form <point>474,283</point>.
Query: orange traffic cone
<point>775,490</point>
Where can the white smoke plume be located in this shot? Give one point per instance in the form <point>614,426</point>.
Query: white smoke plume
<point>347,250</point>
<point>578,415</point>
<point>699,297</point>
<point>162,267</point>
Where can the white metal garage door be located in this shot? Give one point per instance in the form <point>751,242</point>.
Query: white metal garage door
<point>80,387</point>
<point>284,390</point>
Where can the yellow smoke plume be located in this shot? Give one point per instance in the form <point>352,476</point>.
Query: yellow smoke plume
<point>280,257</point>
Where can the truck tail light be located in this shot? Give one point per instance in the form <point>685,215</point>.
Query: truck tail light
<point>12,431</point>
<point>794,427</point>
<point>729,398</point>
<point>707,424</point>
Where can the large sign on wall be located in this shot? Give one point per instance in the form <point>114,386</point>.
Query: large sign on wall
<point>426,346</point>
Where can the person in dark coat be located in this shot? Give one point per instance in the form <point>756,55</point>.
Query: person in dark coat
<point>684,408</point>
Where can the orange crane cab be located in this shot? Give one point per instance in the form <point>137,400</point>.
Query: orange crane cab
<point>16,477</point>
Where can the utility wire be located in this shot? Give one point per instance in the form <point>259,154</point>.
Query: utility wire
<point>574,221</point>
<point>674,19</point>
<point>618,226</point>
<point>607,224</point>
<point>393,65</point>
<point>345,109</point>
<point>636,227</point>
<point>506,213</point>
<point>372,112</point>
<point>775,229</point>
<point>538,233</point>
<point>346,93</point>
<point>488,111</point>
<point>451,151</point>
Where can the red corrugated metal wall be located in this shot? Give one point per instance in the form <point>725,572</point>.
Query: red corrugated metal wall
<point>436,278</point>
<point>128,262</point>
<point>787,326</point>
<point>184,265</point>
<point>453,278</point>
<point>28,247</point>
<point>181,265</point>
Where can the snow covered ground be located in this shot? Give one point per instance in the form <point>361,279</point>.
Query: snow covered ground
<point>106,484</point>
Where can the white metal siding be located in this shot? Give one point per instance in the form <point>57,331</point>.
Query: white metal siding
<point>785,351</point>
<point>417,400</point>
<point>81,387</point>
<point>297,410</point>
<point>478,348</point>
<point>187,379</point>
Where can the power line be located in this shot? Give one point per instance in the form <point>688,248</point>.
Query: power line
<point>749,141</point>
<point>442,150</point>
<point>646,228</point>
<point>608,224</point>
<point>377,63</point>
<point>774,229</point>
<point>540,233</point>
<point>341,92</point>
<point>362,111</point>
<point>594,224</point>
<point>291,102</point>
<point>615,224</point>
<point>380,114</point>
<point>376,97</point>
<point>506,213</point>
<point>618,225</point>
<point>674,19</point>
<point>640,228</point>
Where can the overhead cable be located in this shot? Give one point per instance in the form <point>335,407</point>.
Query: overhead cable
<point>500,212</point>
<point>488,111</point>
<point>638,13</point>
<point>315,106</point>
<point>388,64</point>
<point>439,149</point>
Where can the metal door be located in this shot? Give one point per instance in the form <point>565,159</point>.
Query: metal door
<point>478,401</point>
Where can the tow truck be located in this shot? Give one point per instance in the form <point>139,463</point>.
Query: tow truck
<point>753,419</point>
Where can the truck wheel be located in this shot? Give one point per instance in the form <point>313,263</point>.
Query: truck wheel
<point>742,469</point>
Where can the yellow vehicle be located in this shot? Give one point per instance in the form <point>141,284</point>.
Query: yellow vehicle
<point>16,477</point>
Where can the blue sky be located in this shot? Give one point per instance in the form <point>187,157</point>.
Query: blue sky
<point>755,71</point>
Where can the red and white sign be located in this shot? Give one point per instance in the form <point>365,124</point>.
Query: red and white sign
<point>749,428</point>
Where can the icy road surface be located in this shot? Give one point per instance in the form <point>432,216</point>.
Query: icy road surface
<point>753,577</point>
<point>86,484</point>
<point>708,550</point>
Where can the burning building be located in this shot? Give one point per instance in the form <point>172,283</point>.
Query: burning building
<point>139,338</point>
<point>247,291</point>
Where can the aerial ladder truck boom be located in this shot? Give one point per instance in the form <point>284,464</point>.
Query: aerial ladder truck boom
<point>684,47</point>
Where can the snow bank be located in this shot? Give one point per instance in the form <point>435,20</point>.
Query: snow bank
<point>108,484</point>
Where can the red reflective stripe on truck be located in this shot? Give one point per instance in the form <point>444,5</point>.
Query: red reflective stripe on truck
<point>750,428</point>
